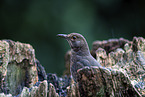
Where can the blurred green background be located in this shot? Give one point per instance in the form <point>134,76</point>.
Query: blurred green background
<point>39,21</point>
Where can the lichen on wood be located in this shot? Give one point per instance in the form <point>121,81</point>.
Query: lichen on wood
<point>18,68</point>
<point>34,91</point>
<point>129,59</point>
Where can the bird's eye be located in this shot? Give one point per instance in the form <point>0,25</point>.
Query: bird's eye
<point>74,37</point>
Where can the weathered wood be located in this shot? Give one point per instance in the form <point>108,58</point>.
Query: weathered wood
<point>19,71</point>
<point>18,68</point>
<point>130,59</point>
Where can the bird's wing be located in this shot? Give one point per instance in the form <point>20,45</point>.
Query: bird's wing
<point>93,61</point>
<point>78,65</point>
<point>85,62</point>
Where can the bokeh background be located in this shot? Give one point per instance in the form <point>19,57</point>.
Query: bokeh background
<point>39,21</point>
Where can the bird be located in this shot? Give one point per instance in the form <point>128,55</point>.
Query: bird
<point>80,53</point>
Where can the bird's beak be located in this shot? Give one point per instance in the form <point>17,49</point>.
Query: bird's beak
<point>62,35</point>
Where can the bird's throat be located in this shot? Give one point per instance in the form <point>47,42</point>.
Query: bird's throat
<point>76,49</point>
<point>80,51</point>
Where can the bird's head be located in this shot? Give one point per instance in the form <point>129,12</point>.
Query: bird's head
<point>76,41</point>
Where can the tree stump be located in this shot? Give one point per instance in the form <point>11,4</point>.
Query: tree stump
<point>122,75</point>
